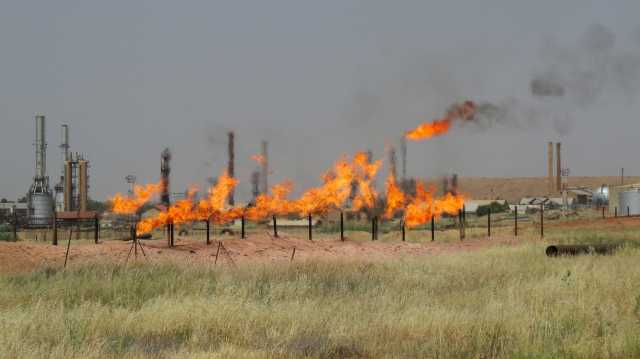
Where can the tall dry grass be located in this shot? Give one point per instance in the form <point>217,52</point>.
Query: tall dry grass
<point>504,302</point>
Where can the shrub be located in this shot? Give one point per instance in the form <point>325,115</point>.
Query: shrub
<point>5,233</point>
<point>495,207</point>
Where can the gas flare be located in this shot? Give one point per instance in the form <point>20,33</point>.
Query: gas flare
<point>276,203</point>
<point>141,194</point>
<point>423,206</point>
<point>332,194</point>
<point>348,178</point>
<point>460,111</point>
<point>365,172</point>
<point>260,159</point>
<point>395,197</point>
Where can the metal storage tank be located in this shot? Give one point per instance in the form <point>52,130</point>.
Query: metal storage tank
<point>42,209</point>
<point>630,199</point>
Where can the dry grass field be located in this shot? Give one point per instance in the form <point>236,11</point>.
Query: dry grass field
<point>481,298</point>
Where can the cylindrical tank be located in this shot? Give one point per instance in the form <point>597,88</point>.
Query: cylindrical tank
<point>68,186</point>
<point>83,185</point>
<point>600,196</point>
<point>42,209</point>
<point>630,200</point>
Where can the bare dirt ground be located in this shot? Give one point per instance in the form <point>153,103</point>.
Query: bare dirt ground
<point>24,256</point>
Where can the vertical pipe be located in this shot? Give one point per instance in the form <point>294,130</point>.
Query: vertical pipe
<point>242,227</point>
<point>342,226</point>
<point>516,223</point>
<point>542,220</point>
<point>602,212</point>
<point>310,228</point>
<point>433,228</point>
<point>403,229</point>
<point>275,227</point>
<point>628,212</point>
<point>231,164</point>
<point>550,166</point>
<point>615,212</point>
<point>558,168</point>
<point>489,223</point>
<point>208,222</point>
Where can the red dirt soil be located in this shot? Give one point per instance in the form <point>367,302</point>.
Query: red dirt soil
<point>25,256</point>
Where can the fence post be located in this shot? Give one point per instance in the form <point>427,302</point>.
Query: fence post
<point>342,226</point>
<point>208,222</point>
<point>275,227</point>
<point>542,220</point>
<point>403,229</point>
<point>173,242</point>
<point>615,212</point>
<point>516,224</point>
<point>628,212</point>
<point>373,228</point>
<point>96,229</point>
<point>55,228</point>
<point>602,212</point>
<point>15,224</point>
<point>310,228</point>
<point>242,235</point>
<point>489,223</point>
<point>433,228</point>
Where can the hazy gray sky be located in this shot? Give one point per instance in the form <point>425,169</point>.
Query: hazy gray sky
<point>316,79</point>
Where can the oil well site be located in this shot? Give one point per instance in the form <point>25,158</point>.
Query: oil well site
<point>336,180</point>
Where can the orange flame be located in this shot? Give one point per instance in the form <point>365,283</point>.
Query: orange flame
<point>365,172</point>
<point>395,197</point>
<point>463,111</point>
<point>186,210</point>
<point>423,206</point>
<point>276,203</point>
<point>260,159</point>
<point>141,194</point>
<point>346,179</point>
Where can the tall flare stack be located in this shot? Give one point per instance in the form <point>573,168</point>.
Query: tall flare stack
<point>231,164</point>
<point>64,156</point>
<point>393,170</point>
<point>550,180</point>
<point>40,200</point>
<point>265,168</point>
<point>165,172</point>
<point>558,168</point>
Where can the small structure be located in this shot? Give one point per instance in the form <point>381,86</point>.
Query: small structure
<point>614,197</point>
